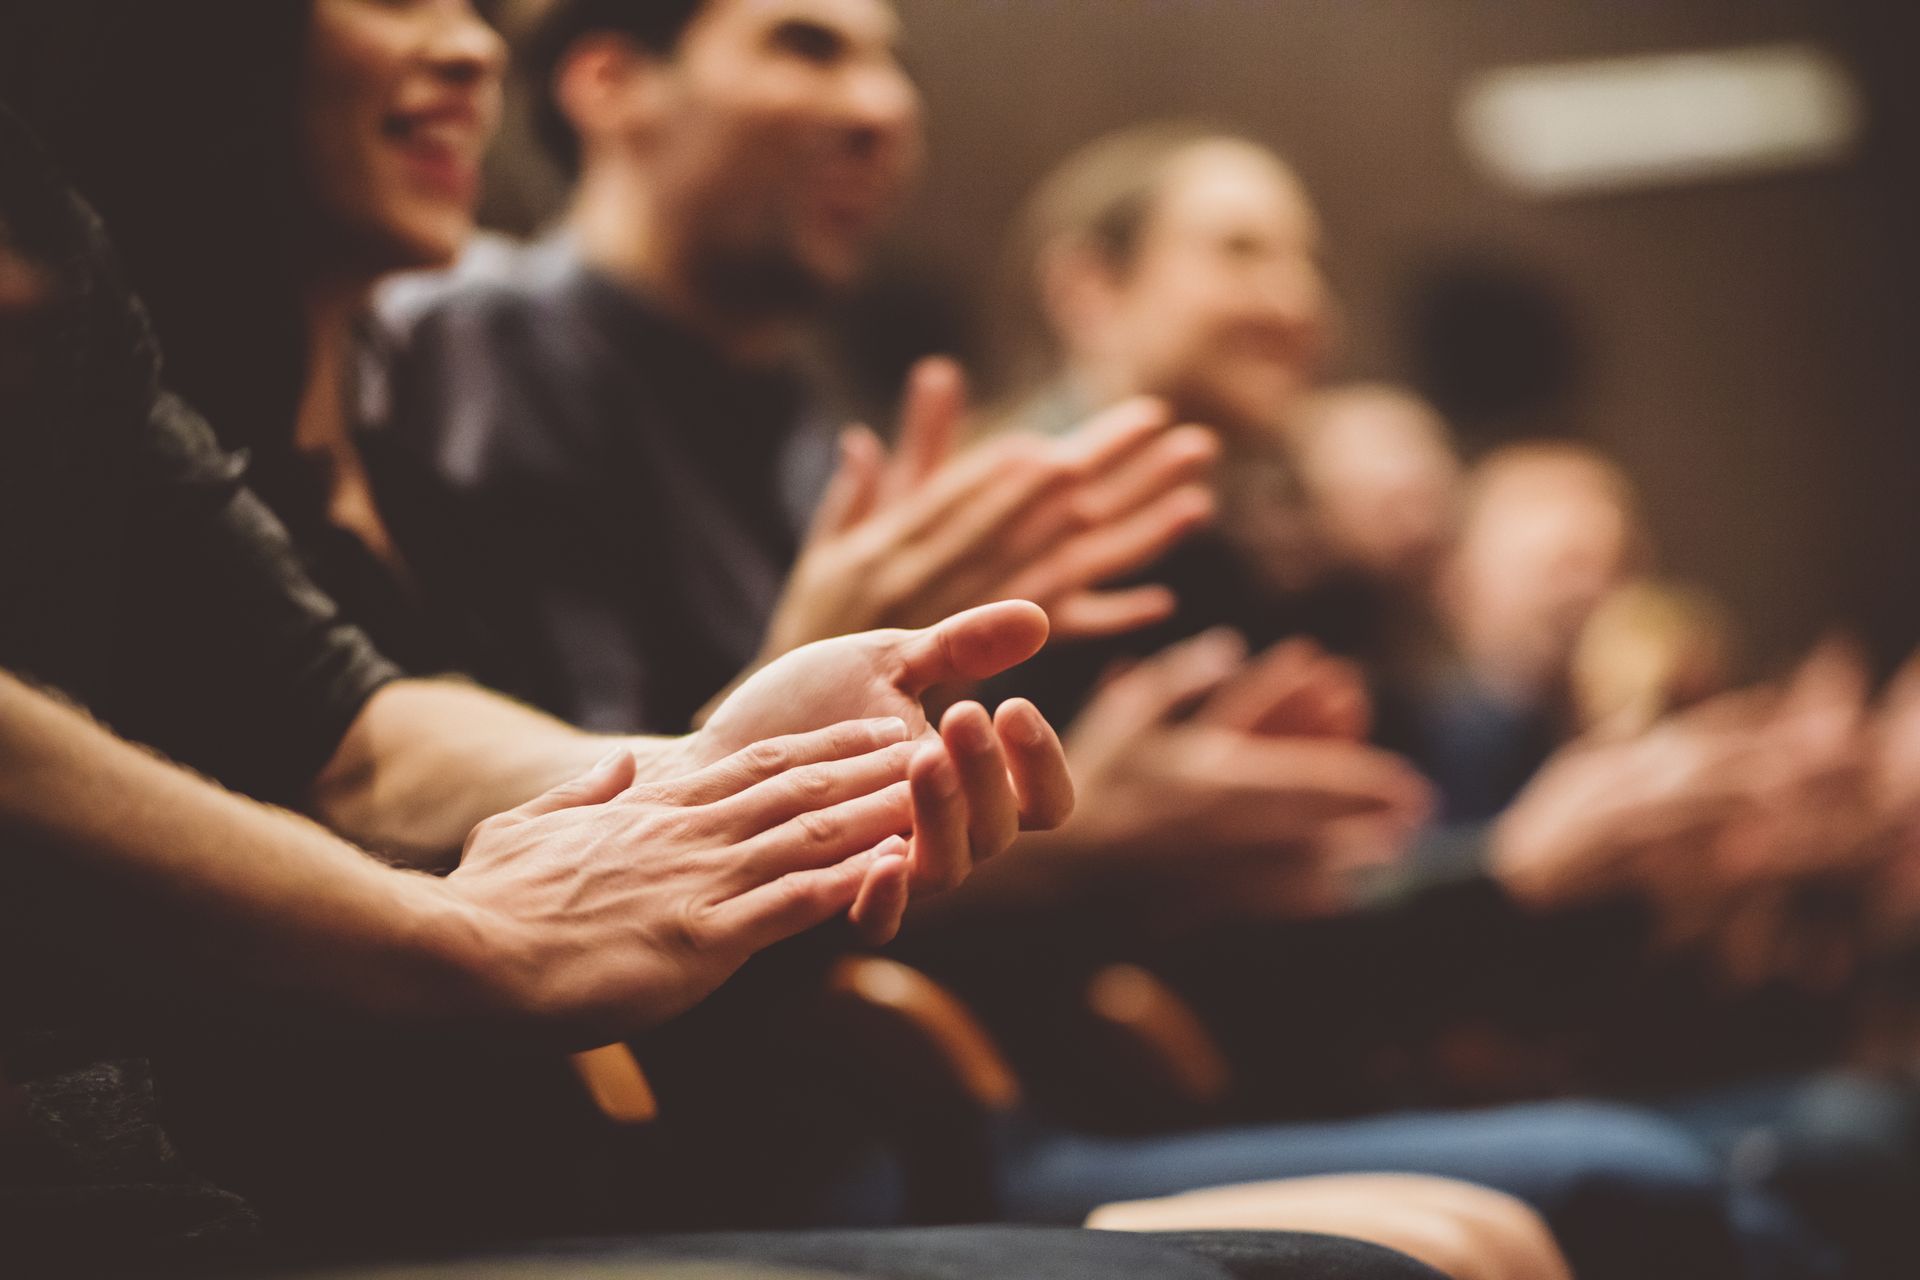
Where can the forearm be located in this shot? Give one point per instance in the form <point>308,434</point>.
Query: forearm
<point>232,888</point>
<point>427,759</point>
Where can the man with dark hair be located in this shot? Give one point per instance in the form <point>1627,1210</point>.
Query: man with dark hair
<point>633,394</point>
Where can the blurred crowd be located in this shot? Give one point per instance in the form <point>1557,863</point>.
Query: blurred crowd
<point>1420,878</point>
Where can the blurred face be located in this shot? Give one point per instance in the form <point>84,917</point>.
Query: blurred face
<point>1224,308</point>
<point>400,100</point>
<point>1385,486</point>
<point>788,134</point>
<point>1544,548</point>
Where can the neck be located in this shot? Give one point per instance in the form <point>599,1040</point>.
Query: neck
<point>323,425</point>
<point>622,231</point>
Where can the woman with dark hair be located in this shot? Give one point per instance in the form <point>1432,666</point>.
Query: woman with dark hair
<point>262,166</point>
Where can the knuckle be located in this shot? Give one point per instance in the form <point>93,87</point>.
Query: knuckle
<point>811,787</point>
<point>687,929</point>
<point>769,755</point>
<point>816,830</point>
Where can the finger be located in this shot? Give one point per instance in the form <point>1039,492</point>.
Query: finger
<point>940,858</point>
<point>1305,694</point>
<point>771,757</point>
<point>881,902</point>
<point>1108,551</point>
<point>1291,689</point>
<point>969,646</point>
<point>822,837</point>
<point>854,489</point>
<point>1113,434</point>
<point>930,416</point>
<point>973,505</point>
<point>1178,457</point>
<point>1093,528</point>
<point>982,489</point>
<point>1038,765</point>
<point>607,779</point>
<point>792,904</point>
<point>1266,789</point>
<point>1156,690</point>
<point>993,811</point>
<point>1090,615</point>
<point>811,787</point>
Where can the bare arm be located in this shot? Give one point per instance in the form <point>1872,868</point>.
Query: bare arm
<point>284,902</point>
<point>427,759</point>
<point>554,924</point>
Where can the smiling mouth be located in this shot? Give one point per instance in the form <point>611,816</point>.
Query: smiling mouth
<point>441,149</point>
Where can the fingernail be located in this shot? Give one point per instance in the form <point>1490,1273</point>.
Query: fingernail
<point>1027,727</point>
<point>891,729</point>
<point>607,761</point>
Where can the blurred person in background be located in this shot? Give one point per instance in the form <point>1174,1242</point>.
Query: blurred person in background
<point>1383,484</point>
<point>1548,938</point>
<point>1547,531</point>
<point>1383,478</point>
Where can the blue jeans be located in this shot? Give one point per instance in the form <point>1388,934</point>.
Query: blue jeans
<point>1627,1194</point>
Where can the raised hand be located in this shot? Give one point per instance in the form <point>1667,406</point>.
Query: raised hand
<point>907,540</point>
<point>609,905</point>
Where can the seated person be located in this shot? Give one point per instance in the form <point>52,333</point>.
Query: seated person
<point>1547,531</point>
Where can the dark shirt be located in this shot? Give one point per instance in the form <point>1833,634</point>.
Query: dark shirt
<point>140,578</point>
<point>627,497</point>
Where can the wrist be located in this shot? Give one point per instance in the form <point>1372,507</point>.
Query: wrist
<point>469,965</point>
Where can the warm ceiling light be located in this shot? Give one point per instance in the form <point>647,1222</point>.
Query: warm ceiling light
<point>1620,123</point>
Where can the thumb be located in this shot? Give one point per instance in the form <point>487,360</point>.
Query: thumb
<point>598,785</point>
<point>970,646</point>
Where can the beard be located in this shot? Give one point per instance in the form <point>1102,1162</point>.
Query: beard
<point>767,281</point>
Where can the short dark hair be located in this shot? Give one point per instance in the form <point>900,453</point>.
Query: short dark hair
<point>655,25</point>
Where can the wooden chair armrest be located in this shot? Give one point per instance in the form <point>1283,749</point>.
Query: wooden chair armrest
<point>1153,1032</point>
<point>616,1085</point>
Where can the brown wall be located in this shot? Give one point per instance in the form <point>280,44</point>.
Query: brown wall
<point>1738,341</point>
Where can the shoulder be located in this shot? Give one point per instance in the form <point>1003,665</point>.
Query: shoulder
<point>473,366</point>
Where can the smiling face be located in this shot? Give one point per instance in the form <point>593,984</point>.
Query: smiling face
<point>784,135</point>
<point>1223,306</point>
<point>400,100</point>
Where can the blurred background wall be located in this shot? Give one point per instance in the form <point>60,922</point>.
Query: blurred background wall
<point>1745,346</point>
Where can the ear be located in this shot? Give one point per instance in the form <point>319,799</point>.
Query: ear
<point>609,87</point>
<point>1079,293</point>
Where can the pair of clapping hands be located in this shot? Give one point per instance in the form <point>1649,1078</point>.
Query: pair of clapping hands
<point>1722,816</point>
